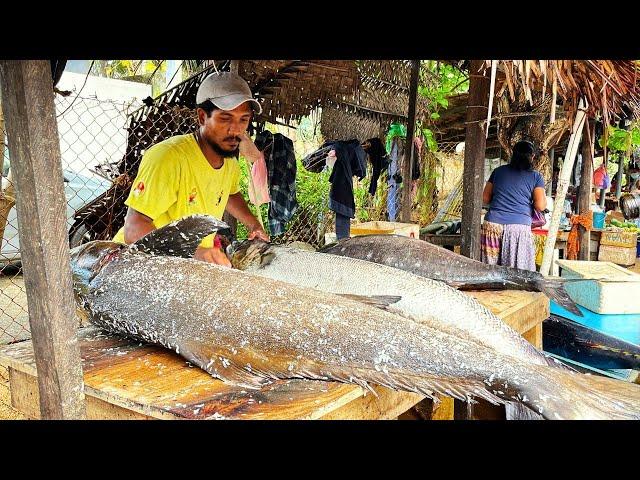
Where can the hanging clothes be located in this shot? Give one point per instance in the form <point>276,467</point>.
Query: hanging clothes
<point>394,180</point>
<point>350,162</point>
<point>379,161</point>
<point>281,168</point>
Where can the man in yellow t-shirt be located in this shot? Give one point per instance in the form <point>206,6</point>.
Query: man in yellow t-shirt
<point>196,173</point>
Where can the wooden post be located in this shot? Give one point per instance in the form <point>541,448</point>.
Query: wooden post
<point>27,97</point>
<point>407,169</point>
<point>584,195</point>
<point>474,159</point>
<point>563,186</point>
<point>552,161</point>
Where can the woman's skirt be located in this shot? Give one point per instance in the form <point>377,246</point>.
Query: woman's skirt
<point>510,245</point>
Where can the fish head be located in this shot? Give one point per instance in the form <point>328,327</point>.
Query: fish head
<point>250,254</point>
<point>87,260</point>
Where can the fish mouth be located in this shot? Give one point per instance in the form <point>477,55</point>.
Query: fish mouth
<point>88,259</point>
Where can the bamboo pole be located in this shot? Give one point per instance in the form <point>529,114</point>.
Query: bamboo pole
<point>563,185</point>
<point>584,194</point>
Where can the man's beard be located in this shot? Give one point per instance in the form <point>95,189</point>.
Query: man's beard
<point>222,151</point>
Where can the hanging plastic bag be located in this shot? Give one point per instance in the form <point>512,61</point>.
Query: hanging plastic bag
<point>259,186</point>
<point>601,177</point>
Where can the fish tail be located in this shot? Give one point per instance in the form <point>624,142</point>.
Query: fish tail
<point>554,289</point>
<point>564,395</point>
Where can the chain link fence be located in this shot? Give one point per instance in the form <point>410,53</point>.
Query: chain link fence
<point>92,133</point>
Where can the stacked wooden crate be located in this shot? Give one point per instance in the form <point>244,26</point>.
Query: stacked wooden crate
<point>618,247</point>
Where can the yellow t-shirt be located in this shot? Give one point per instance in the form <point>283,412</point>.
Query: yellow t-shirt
<point>175,180</point>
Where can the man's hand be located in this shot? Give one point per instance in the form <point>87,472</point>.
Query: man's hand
<point>212,255</point>
<point>259,233</point>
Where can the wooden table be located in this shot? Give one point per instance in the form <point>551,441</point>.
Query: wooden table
<point>129,380</point>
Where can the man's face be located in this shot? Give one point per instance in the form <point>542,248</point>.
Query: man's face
<point>223,128</point>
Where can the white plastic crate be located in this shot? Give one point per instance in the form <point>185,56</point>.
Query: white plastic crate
<point>612,290</point>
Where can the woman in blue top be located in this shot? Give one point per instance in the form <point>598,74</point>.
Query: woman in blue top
<point>511,192</point>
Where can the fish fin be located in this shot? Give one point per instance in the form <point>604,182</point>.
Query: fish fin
<point>219,363</point>
<point>464,389</point>
<point>379,301</point>
<point>180,238</point>
<point>518,411</point>
<point>576,396</point>
<point>241,377</point>
<point>554,289</point>
<point>426,384</point>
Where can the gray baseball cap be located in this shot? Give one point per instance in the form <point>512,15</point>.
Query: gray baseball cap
<point>226,90</point>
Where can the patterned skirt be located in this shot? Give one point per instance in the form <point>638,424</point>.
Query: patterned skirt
<point>510,245</point>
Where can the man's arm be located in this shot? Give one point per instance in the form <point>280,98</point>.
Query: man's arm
<point>237,206</point>
<point>137,225</point>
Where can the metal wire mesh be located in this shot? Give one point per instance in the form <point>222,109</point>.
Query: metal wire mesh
<point>91,134</point>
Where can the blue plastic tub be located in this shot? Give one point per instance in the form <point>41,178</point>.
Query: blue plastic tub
<point>598,219</point>
<point>638,249</point>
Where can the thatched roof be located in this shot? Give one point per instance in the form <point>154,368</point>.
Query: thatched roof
<point>372,93</point>
<point>609,86</point>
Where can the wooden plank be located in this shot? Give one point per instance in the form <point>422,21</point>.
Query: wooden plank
<point>24,397</point>
<point>408,149</point>
<point>534,336</point>
<point>27,97</point>
<point>474,158</point>
<point>563,185</point>
<point>522,311</point>
<point>427,409</point>
<point>386,406</point>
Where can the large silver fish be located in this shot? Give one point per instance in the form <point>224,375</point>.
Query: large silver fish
<point>249,330</point>
<point>431,261</point>
<point>426,301</point>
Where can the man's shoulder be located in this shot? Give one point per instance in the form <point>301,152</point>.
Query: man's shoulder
<point>170,148</point>
<point>172,143</point>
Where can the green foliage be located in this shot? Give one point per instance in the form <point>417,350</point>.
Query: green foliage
<point>430,139</point>
<point>143,71</point>
<point>445,80</point>
<point>621,140</point>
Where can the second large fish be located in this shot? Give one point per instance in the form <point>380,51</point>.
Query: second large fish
<point>431,261</point>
